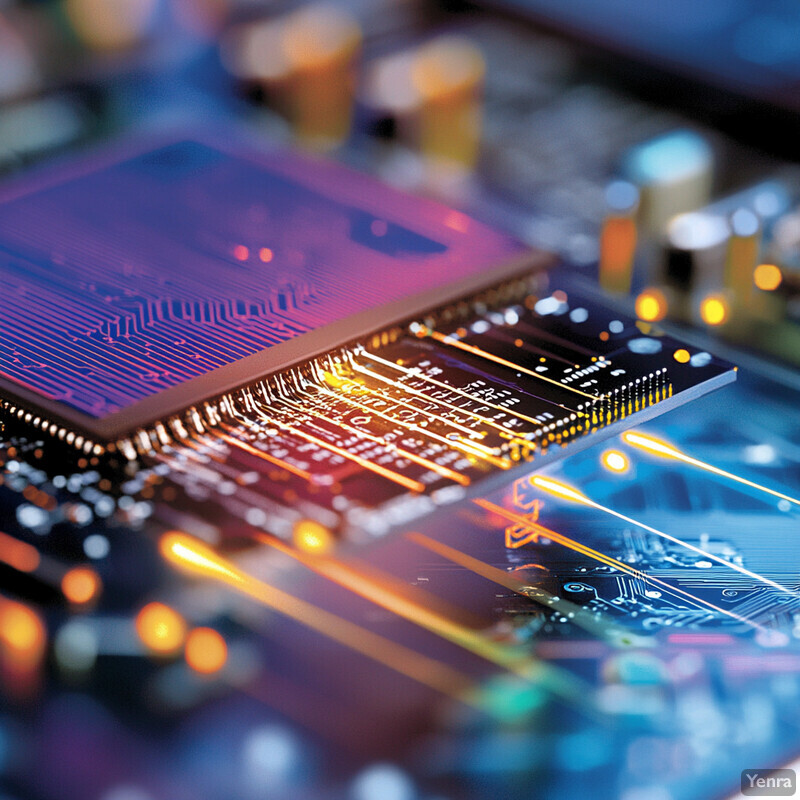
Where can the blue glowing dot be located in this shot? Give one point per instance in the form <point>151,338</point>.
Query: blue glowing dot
<point>383,782</point>
<point>644,346</point>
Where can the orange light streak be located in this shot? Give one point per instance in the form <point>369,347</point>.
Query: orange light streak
<point>470,448</point>
<point>417,373</point>
<point>661,448</point>
<point>254,451</point>
<point>396,477</point>
<point>445,472</point>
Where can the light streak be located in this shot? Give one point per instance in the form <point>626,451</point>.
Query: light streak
<point>660,448</point>
<point>417,393</point>
<point>577,547</point>
<point>566,492</point>
<point>196,557</point>
<point>254,451</point>
<point>474,449</point>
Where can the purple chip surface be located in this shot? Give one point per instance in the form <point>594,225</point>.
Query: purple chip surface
<point>135,283</point>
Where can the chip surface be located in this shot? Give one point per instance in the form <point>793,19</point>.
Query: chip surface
<point>136,284</point>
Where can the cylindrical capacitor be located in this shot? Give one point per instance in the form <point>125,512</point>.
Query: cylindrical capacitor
<point>618,237</point>
<point>321,44</point>
<point>304,65</point>
<point>447,75</point>
<point>694,258</point>
<point>674,173</point>
<point>742,256</point>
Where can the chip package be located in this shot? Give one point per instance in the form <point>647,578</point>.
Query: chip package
<point>299,320</point>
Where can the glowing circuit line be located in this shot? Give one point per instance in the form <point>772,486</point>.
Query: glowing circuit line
<point>401,452</point>
<point>254,451</point>
<point>470,432</point>
<point>562,490</point>
<point>477,351</point>
<point>565,541</point>
<point>415,372</point>
<point>660,448</point>
<point>464,445</point>
<point>188,553</point>
<point>396,477</point>
<point>516,435</point>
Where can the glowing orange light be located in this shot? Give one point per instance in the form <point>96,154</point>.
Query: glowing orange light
<point>651,444</point>
<point>206,651</point>
<point>617,249</point>
<point>265,254</point>
<point>681,356</point>
<point>21,631</point>
<point>615,461</point>
<point>312,537</point>
<point>767,277</point>
<point>651,305</point>
<point>714,310</point>
<point>161,629</point>
<point>80,585</point>
<point>241,253</point>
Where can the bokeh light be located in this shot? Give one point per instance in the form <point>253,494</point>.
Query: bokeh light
<point>206,651</point>
<point>161,629</point>
<point>651,305</point>
<point>615,461</point>
<point>714,310</point>
<point>80,585</point>
<point>767,277</point>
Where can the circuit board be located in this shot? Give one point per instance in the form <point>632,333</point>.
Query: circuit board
<point>377,475</point>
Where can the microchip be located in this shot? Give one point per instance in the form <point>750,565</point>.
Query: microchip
<point>137,283</point>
